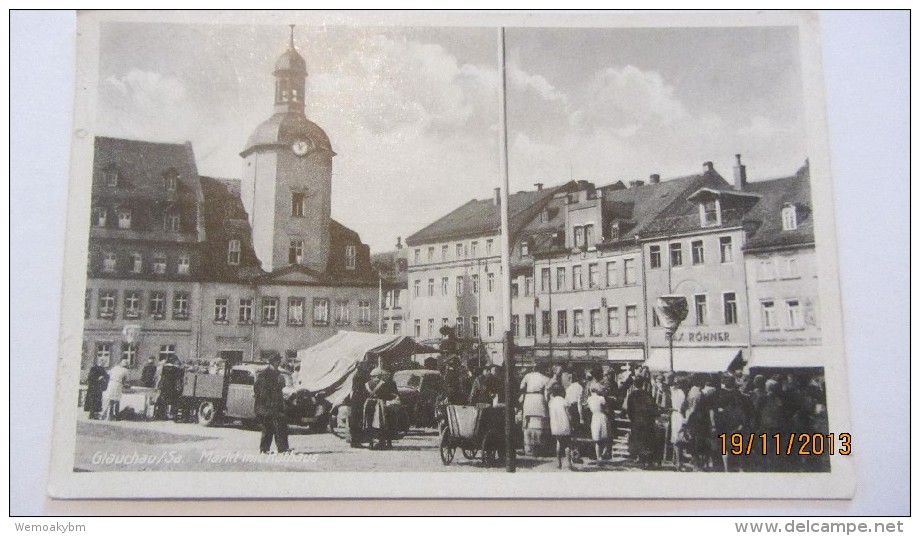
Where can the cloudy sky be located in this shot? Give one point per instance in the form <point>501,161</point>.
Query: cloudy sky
<point>413,112</point>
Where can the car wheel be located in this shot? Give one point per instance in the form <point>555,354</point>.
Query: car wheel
<point>207,413</point>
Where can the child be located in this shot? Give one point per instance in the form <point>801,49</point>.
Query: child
<point>600,428</point>
<point>559,423</point>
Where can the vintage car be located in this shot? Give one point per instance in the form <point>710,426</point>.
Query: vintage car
<point>419,390</point>
<point>211,398</point>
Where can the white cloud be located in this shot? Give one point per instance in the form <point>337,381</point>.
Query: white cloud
<point>148,105</point>
<point>763,128</point>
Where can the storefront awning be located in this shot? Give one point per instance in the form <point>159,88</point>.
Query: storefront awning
<point>692,359</point>
<point>786,356</point>
<point>625,354</point>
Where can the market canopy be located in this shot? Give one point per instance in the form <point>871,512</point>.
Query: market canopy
<point>328,367</point>
<point>786,356</point>
<point>692,359</point>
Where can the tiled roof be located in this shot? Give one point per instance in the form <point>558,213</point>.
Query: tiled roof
<point>142,166</point>
<point>226,219</point>
<point>481,216</point>
<point>766,216</point>
<point>671,212</point>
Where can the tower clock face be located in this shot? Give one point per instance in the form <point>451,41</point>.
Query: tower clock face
<point>301,147</point>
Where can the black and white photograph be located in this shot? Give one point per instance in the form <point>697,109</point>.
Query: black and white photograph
<point>467,256</point>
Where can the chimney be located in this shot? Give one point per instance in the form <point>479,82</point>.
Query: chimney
<point>740,172</point>
<point>633,184</point>
<point>399,242</point>
<point>654,178</point>
<point>707,166</point>
<point>539,186</point>
<point>498,197</point>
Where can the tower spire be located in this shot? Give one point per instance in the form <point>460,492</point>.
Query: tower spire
<point>292,36</point>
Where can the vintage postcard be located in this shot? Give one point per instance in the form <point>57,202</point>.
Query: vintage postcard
<point>445,255</point>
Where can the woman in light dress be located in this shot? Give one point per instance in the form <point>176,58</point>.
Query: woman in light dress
<point>533,385</point>
<point>600,427</point>
<point>559,424</point>
<point>678,439</point>
<point>118,377</point>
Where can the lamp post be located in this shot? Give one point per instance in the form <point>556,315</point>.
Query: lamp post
<point>672,310</point>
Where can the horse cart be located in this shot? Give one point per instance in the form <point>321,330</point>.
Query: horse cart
<point>477,431</point>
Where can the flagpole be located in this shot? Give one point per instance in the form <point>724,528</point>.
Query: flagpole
<point>507,340</point>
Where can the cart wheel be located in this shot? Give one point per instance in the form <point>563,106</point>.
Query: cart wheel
<point>207,413</point>
<point>447,451</point>
<point>574,457</point>
<point>488,456</point>
<point>469,454</point>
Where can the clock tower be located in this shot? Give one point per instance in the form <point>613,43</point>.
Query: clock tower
<point>287,176</point>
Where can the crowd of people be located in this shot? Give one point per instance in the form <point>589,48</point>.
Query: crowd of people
<point>105,387</point>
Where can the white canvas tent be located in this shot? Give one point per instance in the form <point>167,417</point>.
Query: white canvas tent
<point>328,367</point>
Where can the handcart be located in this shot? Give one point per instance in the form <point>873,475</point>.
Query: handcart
<point>474,430</point>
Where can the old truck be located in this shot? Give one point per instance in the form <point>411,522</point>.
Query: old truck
<point>210,398</point>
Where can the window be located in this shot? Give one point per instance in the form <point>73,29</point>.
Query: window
<point>547,323</point>
<point>245,314</point>
<point>544,279</point>
<point>725,248</point>
<point>562,327</point>
<point>530,326</point>
<point>396,303</point>
<point>460,326</point>
<point>629,271</point>
<point>180,305</point>
<point>595,322</point>
<point>320,311</point>
<point>233,252</point>
<point>696,251</point>
<point>170,180</point>
<point>560,278</point>
<point>137,263</point>
<point>417,288</point>
<point>528,286</point>
<point>459,285</point>
<point>397,328</point>
<point>110,176</point>
<point>388,299</point>
<point>788,268</point>
<point>766,270</point>
<point>490,282</point>
<point>794,314</point>
<point>418,256</point>
<point>343,313</point>
<point>790,222</point>
<point>270,311</point>
<point>632,320</point>
<point>132,304</point>
<point>709,213</point>
<point>430,253</point>
<point>592,275</point>
<point>124,219</point>
<point>577,282</point>
<point>444,252</point>
<point>167,351</point>
<point>159,264</point>
<point>298,204</point>
<point>613,321</point>
<point>109,262</point>
<point>445,285</point>
<point>768,315</point>
<point>525,249</point>
<point>589,235</point>
<point>183,267</point>
<point>443,322</point>
<point>474,245</point>
<point>514,289</point>
<point>221,309</point>
<point>104,353</point>
<point>87,302</point>
<point>295,311</point>
<point>612,279</point>
<point>171,222</point>
<point>295,251</point>
<point>654,256</point>
<point>474,279</point>
<point>490,326</point>
<point>730,308</point>
<point>364,312</point>
<point>699,307</point>
<point>677,256</point>
<point>129,352</point>
<point>107,301</point>
<point>489,247</point>
<point>579,237</point>
<point>615,230</point>
<point>417,328</point>
<point>351,257</point>
<point>431,287</point>
<point>430,328</point>
<point>99,216</point>
<point>474,326</point>
<point>578,323</point>
<point>459,251</point>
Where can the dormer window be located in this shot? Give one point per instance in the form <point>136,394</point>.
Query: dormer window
<point>233,253</point>
<point>110,176</point>
<point>351,257</point>
<point>525,248</point>
<point>790,220</point>
<point>171,180</point>
<point>615,230</point>
<point>172,222</point>
<point>579,236</point>
<point>589,235</point>
<point>99,216</point>
<point>710,215</point>
<point>124,219</point>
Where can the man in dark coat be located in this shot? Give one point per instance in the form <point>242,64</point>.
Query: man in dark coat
<point>96,382</point>
<point>356,402</point>
<point>485,387</point>
<point>169,386</point>
<point>270,406</point>
<point>149,374</point>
